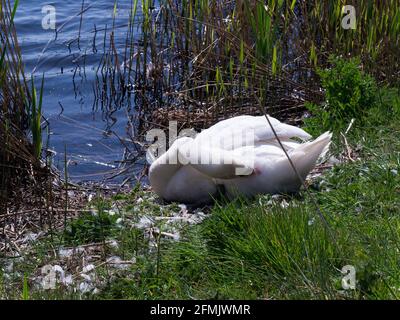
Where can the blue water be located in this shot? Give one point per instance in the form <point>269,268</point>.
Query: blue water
<point>93,149</point>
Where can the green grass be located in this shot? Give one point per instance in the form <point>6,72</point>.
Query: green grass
<point>91,227</point>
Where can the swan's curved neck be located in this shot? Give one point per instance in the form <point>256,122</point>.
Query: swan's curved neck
<point>163,169</point>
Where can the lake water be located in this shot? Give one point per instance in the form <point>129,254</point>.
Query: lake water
<point>89,136</point>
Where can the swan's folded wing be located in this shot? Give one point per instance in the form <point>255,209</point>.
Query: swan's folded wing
<point>215,163</point>
<point>247,130</point>
<point>264,133</point>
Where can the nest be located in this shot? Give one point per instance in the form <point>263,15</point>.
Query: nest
<point>290,110</point>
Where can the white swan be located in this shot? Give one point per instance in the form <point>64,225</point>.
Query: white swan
<point>242,155</point>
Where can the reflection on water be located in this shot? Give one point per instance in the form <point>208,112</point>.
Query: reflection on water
<point>91,138</point>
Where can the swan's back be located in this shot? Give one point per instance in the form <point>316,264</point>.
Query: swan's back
<point>247,130</point>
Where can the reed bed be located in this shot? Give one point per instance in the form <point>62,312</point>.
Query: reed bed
<point>26,182</point>
<point>200,61</point>
<point>17,155</point>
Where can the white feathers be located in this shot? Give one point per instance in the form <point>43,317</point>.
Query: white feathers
<point>241,154</point>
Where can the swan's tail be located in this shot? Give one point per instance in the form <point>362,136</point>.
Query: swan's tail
<point>306,155</point>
